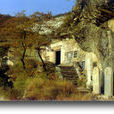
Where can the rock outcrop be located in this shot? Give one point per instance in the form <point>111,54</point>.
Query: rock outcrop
<point>91,23</point>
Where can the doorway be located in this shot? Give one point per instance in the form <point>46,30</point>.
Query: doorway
<point>58,57</point>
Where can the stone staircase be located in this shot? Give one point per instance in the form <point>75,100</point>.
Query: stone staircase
<point>69,73</point>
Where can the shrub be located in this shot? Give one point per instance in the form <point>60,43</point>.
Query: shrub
<point>50,67</point>
<point>9,94</point>
<point>31,63</point>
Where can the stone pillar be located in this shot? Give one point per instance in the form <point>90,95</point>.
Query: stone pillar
<point>96,81</point>
<point>108,84</point>
<point>89,70</point>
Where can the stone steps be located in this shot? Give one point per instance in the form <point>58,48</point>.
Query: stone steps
<point>69,73</point>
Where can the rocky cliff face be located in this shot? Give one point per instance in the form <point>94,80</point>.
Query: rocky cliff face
<point>91,24</point>
<point>97,35</point>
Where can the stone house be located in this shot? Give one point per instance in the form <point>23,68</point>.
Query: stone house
<point>64,52</point>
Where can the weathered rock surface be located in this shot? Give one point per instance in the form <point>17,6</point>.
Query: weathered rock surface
<point>91,23</point>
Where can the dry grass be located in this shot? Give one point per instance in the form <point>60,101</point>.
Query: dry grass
<point>32,84</point>
<point>40,89</point>
<point>44,89</point>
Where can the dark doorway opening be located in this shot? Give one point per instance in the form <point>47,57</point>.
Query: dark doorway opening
<point>58,57</point>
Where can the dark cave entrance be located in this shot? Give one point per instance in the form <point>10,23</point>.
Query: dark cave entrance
<point>58,57</point>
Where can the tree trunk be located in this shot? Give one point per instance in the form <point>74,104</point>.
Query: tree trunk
<point>24,52</point>
<point>44,66</point>
<point>23,57</point>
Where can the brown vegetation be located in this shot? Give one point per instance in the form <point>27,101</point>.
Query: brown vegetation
<point>36,80</point>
